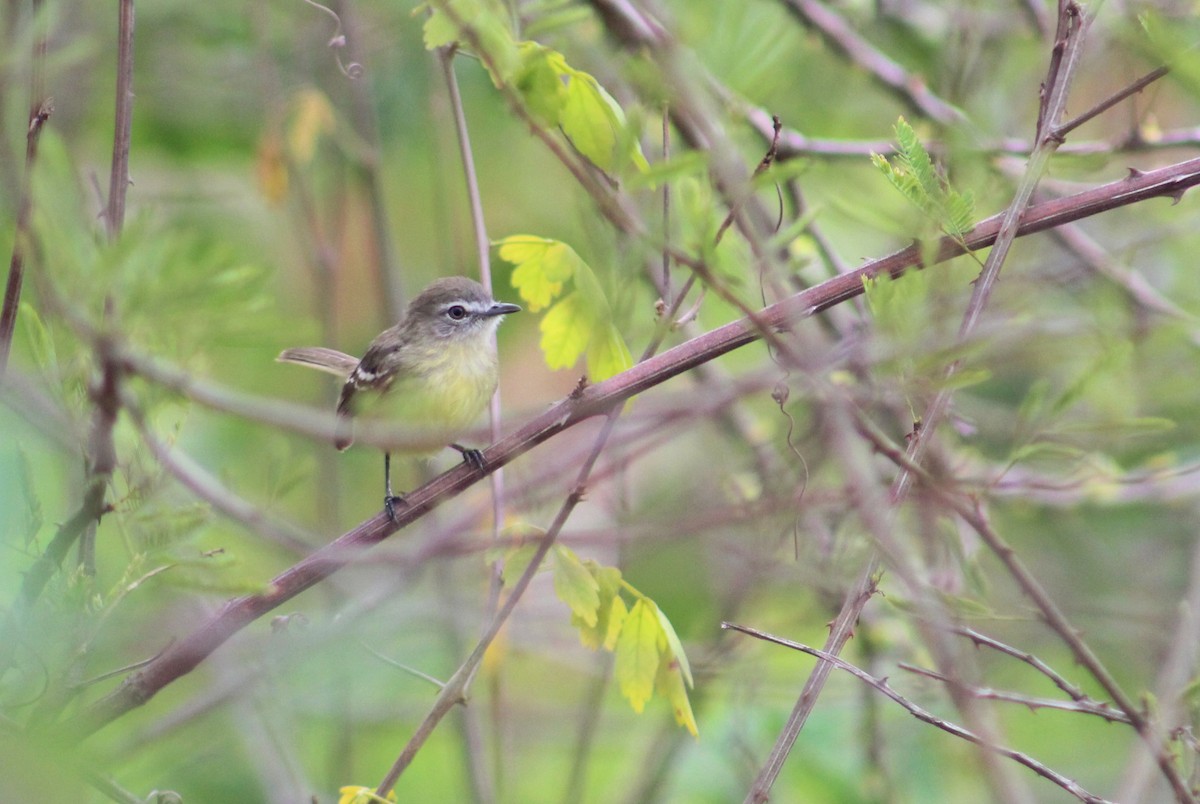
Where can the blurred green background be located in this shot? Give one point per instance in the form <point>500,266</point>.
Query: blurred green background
<point>260,172</point>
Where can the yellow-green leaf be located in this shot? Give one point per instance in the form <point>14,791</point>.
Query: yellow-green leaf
<point>674,646</point>
<point>575,586</point>
<point>542,267</point>
<point>670,684</point>
<point>637,654</point>
<point>589,120</point>
<point>607,353</point>
<point>609,614</point>
<point>480,24</point>
<point>566,328</point>
<point>540,81</point>
<point>515,563</point>
<point>439,30</point>
<point>617,613</point>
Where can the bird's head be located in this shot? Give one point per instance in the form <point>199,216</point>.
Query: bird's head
<point>455,308</point>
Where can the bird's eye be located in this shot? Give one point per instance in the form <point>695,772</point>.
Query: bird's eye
<point>457,312</point>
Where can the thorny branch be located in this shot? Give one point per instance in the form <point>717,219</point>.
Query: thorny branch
<point>925,716</point>
<point>189,651</point>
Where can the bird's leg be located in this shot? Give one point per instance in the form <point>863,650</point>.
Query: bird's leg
<point>389,499</point>
<point>471,457</point>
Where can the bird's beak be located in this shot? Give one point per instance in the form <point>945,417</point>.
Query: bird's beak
<point>501,308</point>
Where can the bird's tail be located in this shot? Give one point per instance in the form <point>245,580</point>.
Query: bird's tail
<point>332,361</point>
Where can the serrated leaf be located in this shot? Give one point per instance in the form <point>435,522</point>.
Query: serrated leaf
<point>482,25</point>
<point>674,648</point>
<point>609,614</point>
<point>670,685</point>
<point>575,586</point>
<point>566,329</point>
<point>540,81</point>
<point>439,30</point>
<point>543,266</point>
<point>617,612</point>
<point>637,654</point>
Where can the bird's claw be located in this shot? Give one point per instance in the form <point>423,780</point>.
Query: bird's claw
<point>474,459</point>
<point>471,457</point>
<point>389,505</point>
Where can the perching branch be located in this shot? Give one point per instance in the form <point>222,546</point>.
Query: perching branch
<point>236,614</point>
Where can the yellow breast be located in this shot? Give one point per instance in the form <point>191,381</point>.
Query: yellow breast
<point>445,390</point>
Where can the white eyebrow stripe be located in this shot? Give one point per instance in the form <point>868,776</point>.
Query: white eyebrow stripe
<point>471,306</point>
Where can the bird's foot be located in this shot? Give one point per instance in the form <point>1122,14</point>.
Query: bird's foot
<point>471,457</point>
<point>389,505</point>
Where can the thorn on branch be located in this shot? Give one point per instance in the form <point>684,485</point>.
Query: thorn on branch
<point>40,116</point>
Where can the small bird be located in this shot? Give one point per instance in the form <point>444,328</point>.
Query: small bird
<point>435,368</point>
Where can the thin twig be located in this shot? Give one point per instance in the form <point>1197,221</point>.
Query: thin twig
<point>16,264</point>
<point>924,715</point>
<point>1086,706</point>
<point>1072,690</point>
<point>483,783</point>
<point>907,88</point>
<point>366,124</point>
<point>456,687</point>
<point>200,482</point>
<point>118,182</point>
<point>971,512</point>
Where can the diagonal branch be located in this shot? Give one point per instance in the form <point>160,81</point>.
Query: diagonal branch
<point>236,614</point>
<point>925,716</point>
<point>908,88</point>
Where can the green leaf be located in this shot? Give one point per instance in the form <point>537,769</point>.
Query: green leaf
<point>566,329</point>
<point>607,354</point>
<point>637,654</point>
<point>516,561</point>
<point>617,614</point>
<point>540,81</point>
<point>674,646</point>
<point>40,340</point>
<point>590,120</point>
<point>477,23</point>
<point>575,586</point>
<point>670,684</point>
<point>610,614</point>
<point>912,172</point>
<point>439,30</point>
<point>688,163</point>
<point>559,95</point>
<point>579,322</point>
<point>543,266</point>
